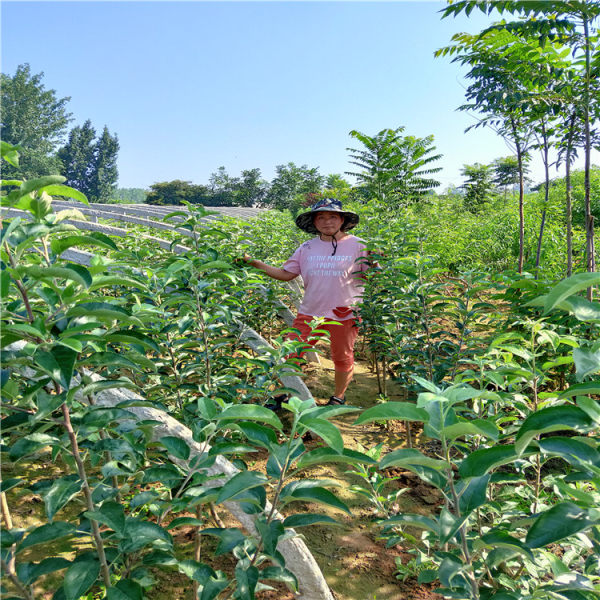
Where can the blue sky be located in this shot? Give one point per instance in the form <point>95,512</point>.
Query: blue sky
<point>190,86</point>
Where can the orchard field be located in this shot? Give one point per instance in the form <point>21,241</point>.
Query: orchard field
<point>139,460</point>
<point>139,352</point>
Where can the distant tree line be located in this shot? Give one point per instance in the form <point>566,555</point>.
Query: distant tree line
<point>34,119</point>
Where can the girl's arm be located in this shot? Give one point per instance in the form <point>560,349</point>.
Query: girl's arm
<point>274,272</point>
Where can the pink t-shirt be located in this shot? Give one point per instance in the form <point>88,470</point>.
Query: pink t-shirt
<point>330,288</point>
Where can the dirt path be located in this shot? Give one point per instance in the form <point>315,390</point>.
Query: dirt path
<point>355,563</point>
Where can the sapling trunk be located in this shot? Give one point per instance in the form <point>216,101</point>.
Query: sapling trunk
<point>197,547</point>
<point>103,436</point>
<point>569,196</point>
<point>98,542</point>
<point>463,529</point>
<point>202,324</point>
<point>379,386</point>
<point>538,466</point>
<point>589,218</point>
<point>519,150</point>
<point>25,592</point>
<point>9,525</point>
<point>546,198</point>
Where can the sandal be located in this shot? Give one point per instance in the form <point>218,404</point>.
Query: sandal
<point>335,401</point>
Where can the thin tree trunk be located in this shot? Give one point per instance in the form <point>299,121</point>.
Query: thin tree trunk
<point>589,219</point>
<point>521,195</point>
<point>546,196</point>
<point>379,387</point>
<point>569,196</point>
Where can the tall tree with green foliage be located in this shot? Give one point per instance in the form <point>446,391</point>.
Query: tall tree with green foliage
<point>250,188</point>
<point>33,118</point>
<point>478,186</point>
<point>506,172</point>
<point>394,168</point>
<point>176,191</point>
<point>574,20</point>
<point>77,157</point>
<point>290,183</point>
<point>499,95</point>
<point>105,173</point>
<point>90,165</point>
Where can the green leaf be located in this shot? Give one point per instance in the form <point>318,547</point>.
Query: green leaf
<point>59,245</point>
<point>9,484</point>
<point>59,493</point>
<point>229,538</point>
<point>78,275</point>
<point>590,407</point>
<point>131,336</point>
<point>80,577</point>
<point>8,228</point>
<point>238,484</point>
<point>36,184</point>
<point>100,386</point>
<point>568,287</point>
<point>472,493</point>
<point>280,574</point>
<point>581,389</point>
<point>48,565</point>
<point>10,153</point>
<point>176,446</point>
<point>325,455</point>
<point>476,427</point>
<point>66,191</point>
<point>250,412</point>
<point>481,461</point>
<point>404,411</point>
<point>47,533</point>
<point>246,582</point>
<point>310,491</point>
<point>270,533</point>
<point>575,452</point>
<point>215,264</point>
<point>502,539</point>
<point>23,447</point>
<point>558,522</point>
<point>328,432</point>
<point>103,311</point>
<point>5,280</point>
<point>408,458</point>
<point>449,525</point>
<point>255,433</point>
<point>110,514</point>
<point>412,520</point>
<point>553,418</point>
<point>213,587</point>
<point>106,359</point>
<point>142,498</point>
<point>125,589</point>
<point>587,362</point>
<point>167,474</point>
<point>58,363</point>
<point>304,519</point>
<point>189,521</point>
<point>141,533</point>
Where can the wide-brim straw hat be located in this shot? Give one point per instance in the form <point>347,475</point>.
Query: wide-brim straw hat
<point>305,220</point>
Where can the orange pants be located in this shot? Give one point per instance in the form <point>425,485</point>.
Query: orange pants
<point>342,336</point>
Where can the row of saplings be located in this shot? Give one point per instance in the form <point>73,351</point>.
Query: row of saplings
<point>72,336</point>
